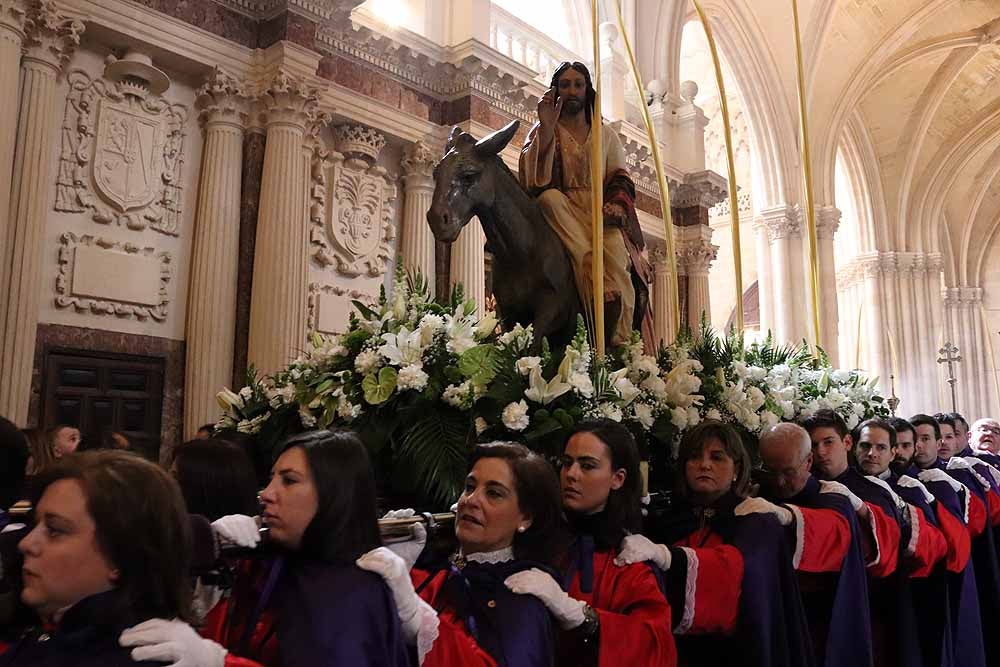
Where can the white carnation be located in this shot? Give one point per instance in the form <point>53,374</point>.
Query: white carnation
<point>411,377</point>
<point>768,419</point>
<point>526,364</point>
<point>457,395</point>
<point>693,416</point>
<point>348,411</point>
<point>756,398</point>
<point>679,418</point>
<point>627,390</point>
<point>644,415</point>
<point>515,416</point>
<point>714,415</point>
<point>366,361</point>
<point>610,411</point>
<point>582,384</point>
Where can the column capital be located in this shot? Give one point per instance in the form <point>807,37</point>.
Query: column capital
<point>827,221</point>
<point>223,100</point>
<point>781,222</point>
<point>287,99</point>
<point>418,161</point>
<point>695,250</point>
<point>50,36</point>
<point>13,14</point>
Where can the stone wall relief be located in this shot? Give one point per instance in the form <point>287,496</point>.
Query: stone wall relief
<point>122,148</point>
<point>107,277</point>
<point>351,205</point>
<point>329,306</point>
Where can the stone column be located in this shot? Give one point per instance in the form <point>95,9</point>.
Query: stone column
<point>12,18</point>
<point>827,221</point>
<point>50,41</point>
<point>211,318</point>
<point>278,301</point>
<point>417,242</point>
<point>784,230</point>
<point>874,309</point>
<point>695,254</point>
<point>663,326</point>
<point>468,263</point>
<point>765,299</point>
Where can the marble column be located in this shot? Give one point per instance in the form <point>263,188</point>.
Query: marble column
<point>12,19</point>
<point>827,221</point>
<point>784,229</point>
<point>695,254</point>
<point>250,178</point>
<point>663,325</point>
<point>765,279</point>
<point>468,263</point>
<point>50,40</point>
<point>278,301</point>
<point>211,318</point>
<point>417,242</point>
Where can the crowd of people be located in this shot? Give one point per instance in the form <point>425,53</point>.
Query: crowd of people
<point>877,546</point>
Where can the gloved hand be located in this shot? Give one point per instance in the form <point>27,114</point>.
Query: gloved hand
<point>762,506</point>
<point>174,642</point>
<point>841,490</point>
<point>638,549</point>
<point>237,529</point>
<point>409,607</point>
<point>568,612</point>
<point>408,549</point>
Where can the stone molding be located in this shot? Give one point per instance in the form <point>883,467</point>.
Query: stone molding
<point>66,298</point>
<point>50,36</point>
<point>701,188</point>
<point>418,162</point>
<point>13,15</point>
<point>105,124</point>
<point>695,250</point>
<point>223,99</point>
<point>318,290</point>
<point>287,99</point>
<point>827,222</point>
<point>782,222</point>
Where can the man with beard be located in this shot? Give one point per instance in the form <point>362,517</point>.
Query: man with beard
<point>555,168</point>
<point>829,547</point>
<point>894,624</point>
<point>902,455</point>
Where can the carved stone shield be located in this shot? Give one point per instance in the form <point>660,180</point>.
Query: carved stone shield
<point>128,156</point>
<point>357,213</point>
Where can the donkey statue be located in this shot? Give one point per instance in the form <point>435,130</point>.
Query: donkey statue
<point>533,278</point>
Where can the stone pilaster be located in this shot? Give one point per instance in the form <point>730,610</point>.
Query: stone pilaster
<point>784,229</point>
<point>827,222</point>
<point>278,301</point>
<point>663,326</point>
<point>12,19</point>
<point>765,298</point>
<point>417,242</point>
<point>211,317</point>
<point>50,39</point>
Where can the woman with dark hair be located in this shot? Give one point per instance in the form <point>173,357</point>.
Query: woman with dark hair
<point>310,605</point>
<point>40,448</point>
<point>507,522</point>
<point>728,570</point>
<point>620,615</point>
<point>216,478</point>
<point>107,551</point>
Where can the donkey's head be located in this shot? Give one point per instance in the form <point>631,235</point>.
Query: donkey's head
<point>465,180</point>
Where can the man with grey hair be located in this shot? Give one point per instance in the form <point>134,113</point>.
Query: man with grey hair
<point>827,542</point>
<point>984,440</point>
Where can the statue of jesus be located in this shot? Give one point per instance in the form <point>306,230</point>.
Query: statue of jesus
<point>555,168</point>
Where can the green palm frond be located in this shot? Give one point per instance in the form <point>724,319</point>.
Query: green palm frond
<point>435,450</point>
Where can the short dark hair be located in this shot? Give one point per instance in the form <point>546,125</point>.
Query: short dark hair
<point>141,524</point>
<point>957,417</point>
<point>538,496</point>
<point>623,510</point>
<point>825,419</point>
<point>346,523</point>
<point>693,443</point>
<point>582,69</point>
<point>899,425</point>
<point>876,423</point>
<point>944,418</point>
<point>216,478</point>
<point>13,462</point>
<point>921,419</point>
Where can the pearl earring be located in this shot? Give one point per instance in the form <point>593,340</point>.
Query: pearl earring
<point>521,529</point>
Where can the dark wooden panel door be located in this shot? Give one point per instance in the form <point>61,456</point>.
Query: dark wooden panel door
<point>96,393</point>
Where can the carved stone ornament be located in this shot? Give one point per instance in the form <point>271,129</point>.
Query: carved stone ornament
<point>318,292</point>
<point>351,206</point>
<point>122,154</point>
<point>89,266</point>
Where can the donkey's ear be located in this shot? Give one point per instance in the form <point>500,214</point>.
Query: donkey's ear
<point>494,143</point>
<point>458,137</point>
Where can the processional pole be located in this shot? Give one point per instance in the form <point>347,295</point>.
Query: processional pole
<point>597,191</point>
<point>949,355</point>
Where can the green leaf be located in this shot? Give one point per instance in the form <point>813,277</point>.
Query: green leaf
<point>479,363</point>
<point>434,451</point>
<point>378,390</point>
<point>364,310</point>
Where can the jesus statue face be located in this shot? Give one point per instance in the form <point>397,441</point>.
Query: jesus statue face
<point>573,91</point>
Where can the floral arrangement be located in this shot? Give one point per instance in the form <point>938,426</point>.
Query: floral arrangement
<point>422,381</point>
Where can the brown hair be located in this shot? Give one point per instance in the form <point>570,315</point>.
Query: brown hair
<point>693,443</point>
<point>538,496</point>
<point>142,527</point>
<point>40,446</point>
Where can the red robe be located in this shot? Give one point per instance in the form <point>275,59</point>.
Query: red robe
<point>714,576</point>
<point>634,616</point>
<point>927,545</point>
<point>453,645</point>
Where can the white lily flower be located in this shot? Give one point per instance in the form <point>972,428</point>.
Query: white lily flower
<point>544,392</point>
<point>403,348</point>
<point>461,335</point>
<point>229,400</point>
<point>525,365</point>
<point>486,326</point>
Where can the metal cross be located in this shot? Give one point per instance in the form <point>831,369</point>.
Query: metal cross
<point>950,356</point>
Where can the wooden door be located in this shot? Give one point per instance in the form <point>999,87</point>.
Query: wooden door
<point>99,392</point>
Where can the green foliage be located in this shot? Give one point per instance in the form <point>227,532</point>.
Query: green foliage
<point>378,388</point>
<point>435,450</point>
<point>479,363</point>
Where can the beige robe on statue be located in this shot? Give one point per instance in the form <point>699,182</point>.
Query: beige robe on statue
<point>568,212</point>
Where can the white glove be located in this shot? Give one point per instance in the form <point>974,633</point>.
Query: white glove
<point>841,490</point>
<point>763,506</point>
<point>409,607</point>
<point>408,549</point>
<point>568,612</point>
<point>237,529</point>
<point>639,549</point>
<point>173,642</point>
